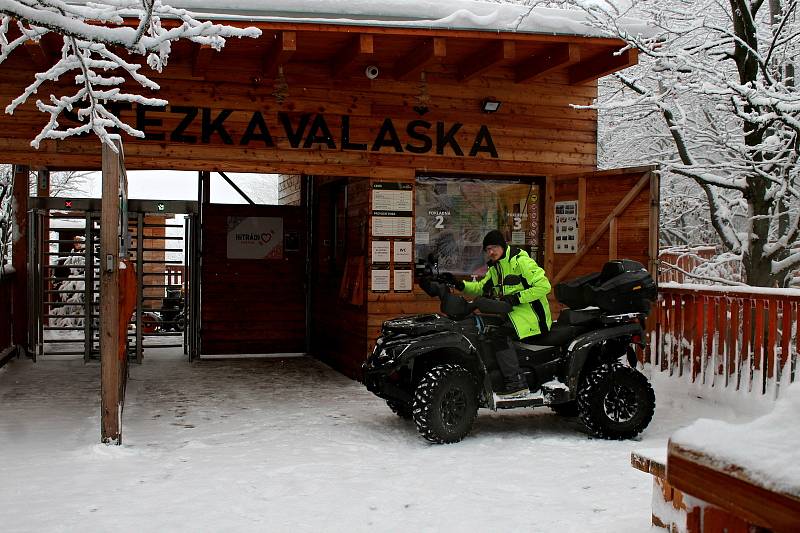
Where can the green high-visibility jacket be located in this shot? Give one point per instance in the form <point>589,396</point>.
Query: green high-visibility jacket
<point>532,315</point>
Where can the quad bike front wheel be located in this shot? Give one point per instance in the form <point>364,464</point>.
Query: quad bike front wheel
<point>616,402</point>
<point>445,404</point>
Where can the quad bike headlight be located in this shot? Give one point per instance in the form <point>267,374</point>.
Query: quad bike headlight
<point>389,354</point>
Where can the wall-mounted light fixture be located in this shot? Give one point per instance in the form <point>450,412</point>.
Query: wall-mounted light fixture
<point>490,105</point>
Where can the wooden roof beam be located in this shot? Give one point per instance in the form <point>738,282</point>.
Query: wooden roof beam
<point>201,60</point>
<point>39,55</point>
<point>491,55</point>
<point>354,51</point>
<point>280,52</point>
<point>555,57</point>
<point>423,55</point>
<point>598,66</point>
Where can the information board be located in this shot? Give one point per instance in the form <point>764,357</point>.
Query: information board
<point>566,227</point>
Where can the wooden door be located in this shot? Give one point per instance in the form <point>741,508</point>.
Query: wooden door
<point>339,307</point>
<point>617,218</point>
<point>252,304</point>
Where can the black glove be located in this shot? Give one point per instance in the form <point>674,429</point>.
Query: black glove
<point>450,279</point>
<point>511,299</point>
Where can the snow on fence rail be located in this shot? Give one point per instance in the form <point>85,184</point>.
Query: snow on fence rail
<point>745,338</point>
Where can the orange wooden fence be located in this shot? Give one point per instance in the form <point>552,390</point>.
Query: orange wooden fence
<point>686,259</point>
<point>745,339</point>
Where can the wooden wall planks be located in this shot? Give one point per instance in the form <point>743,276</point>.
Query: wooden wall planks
<point>249,305</point>
<point>535,132</point>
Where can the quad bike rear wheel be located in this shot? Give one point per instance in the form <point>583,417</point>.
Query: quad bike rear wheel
<point>445,404</point>
<point>616,402</point>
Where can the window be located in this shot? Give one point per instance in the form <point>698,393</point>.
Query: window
<point>454,214</point>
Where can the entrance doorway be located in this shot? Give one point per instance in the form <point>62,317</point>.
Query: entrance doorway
<point>63,288</point>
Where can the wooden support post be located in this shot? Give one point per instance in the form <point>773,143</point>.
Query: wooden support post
<point>110,364</point>
<point>549,224</point>
<point>655,204</point>
<point>205,187</point>
<point>581,211</point>
<point>612,239</point>
<point>19,256</point>
<point>43,191</point>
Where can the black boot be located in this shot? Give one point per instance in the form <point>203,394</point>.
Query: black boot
<point>514,387</point>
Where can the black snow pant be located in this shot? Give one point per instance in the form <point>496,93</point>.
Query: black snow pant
<point>506,354</point>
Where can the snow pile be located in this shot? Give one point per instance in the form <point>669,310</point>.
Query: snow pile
<point>431,14</point>
<point>765,448</point>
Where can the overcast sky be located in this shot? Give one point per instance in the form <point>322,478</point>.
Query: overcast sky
<point>176,185</point>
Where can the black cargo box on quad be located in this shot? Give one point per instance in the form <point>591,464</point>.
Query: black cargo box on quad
<point>623,286</point>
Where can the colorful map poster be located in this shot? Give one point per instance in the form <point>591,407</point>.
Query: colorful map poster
<point>453,216</point>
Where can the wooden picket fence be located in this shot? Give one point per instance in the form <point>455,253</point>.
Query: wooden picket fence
<point>686,259</point>
<point>745,339</point>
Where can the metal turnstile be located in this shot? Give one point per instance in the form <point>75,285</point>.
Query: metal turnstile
<point>64,278</point>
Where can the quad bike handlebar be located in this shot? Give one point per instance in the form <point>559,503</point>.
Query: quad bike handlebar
<point>438,285</point>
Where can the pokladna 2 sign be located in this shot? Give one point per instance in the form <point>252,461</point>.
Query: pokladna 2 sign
<point>255,238</point>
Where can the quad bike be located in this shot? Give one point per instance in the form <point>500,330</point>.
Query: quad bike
<point>170,317</point>
<point>440,368</point>
<point>172,310</point>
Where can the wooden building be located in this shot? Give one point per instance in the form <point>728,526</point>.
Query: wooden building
<point>387,136</point>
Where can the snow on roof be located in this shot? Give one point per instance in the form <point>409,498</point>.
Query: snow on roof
<point>428,14</point>
<point>765,448</point>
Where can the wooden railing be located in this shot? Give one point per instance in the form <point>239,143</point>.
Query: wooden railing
<point>673,262</point>
<point>743,338</point>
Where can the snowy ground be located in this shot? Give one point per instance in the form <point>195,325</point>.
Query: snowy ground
<point>291,445</point>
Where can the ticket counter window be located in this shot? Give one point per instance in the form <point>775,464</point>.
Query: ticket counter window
<point>453,215</point>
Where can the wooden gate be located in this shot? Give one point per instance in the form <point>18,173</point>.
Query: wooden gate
<point>250,304</point>
<point>617,218</point>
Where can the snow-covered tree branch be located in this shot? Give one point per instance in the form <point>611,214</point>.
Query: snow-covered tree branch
<point>89,32</point>
<point>715,101</point>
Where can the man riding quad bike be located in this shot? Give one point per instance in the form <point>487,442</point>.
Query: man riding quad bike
<point>439,368</point>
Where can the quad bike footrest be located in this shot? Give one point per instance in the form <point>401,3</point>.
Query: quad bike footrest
<point>534,399</point>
